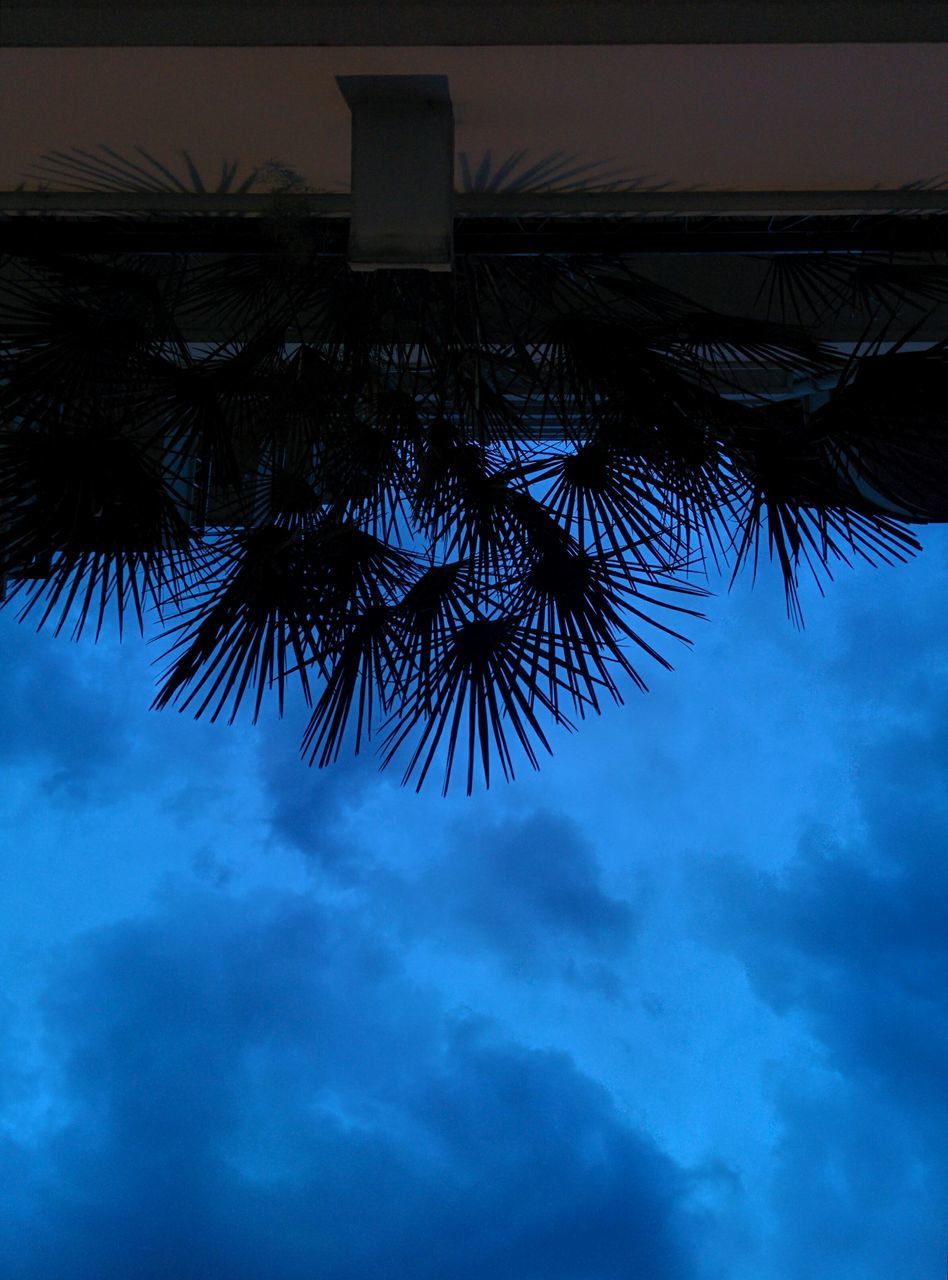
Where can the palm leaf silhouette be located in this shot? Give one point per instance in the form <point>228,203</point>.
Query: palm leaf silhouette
<point>90,522</point>
<point>816,288</point>
<point>77,169</point>
<point>457,511</point>
<point>488,673</point>
<point>885,430</point>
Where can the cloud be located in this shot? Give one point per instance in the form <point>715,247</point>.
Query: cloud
<point>74,717</point>
<point>855,938</point>
<point>252,1086</point>
<point>892,648</point>
<point>528,891</point>
<point>55,714</point>
<point>850,939</point>
<point>850,1191</point>
<point>312,809</point>
<point>861,956</point>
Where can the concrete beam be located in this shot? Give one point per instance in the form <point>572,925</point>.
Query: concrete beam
<point>402,172</point>
<point>498,203</point>
<point>419,23</point>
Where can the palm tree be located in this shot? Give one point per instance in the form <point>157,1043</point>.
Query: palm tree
<point>453,509</point>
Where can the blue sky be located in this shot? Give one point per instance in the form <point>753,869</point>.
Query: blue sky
<point>673,1007</point>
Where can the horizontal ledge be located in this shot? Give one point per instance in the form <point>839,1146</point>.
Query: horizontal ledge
<point>420,23</point>
<point>602,237</point>
<point>493,204</point>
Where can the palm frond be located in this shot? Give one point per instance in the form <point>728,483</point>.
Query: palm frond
<point>603,497</point>
<point>365,673</point>
<point>89,524</point>
<point>484,678</point>
<point>813,289</point>
<point>457,511</point>
<point>796,497</point>
<point>250,625</point>
<point>77,169</point>
<point>554,171</point>
<point>719,350</point>
<point>583,608</point>
<point>886,432</point>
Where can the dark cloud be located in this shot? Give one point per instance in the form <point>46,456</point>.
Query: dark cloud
<point>850,1192</point>
<point>54,712</point>
<point>891,644</point>
<point>311,809</point>
<point>529,891</point>
<point>856,938</point>
<point>253,1086</point>
<point>206,865</point>
<point>851,939</point>
<point>860,954</point>
<point>76,716</point>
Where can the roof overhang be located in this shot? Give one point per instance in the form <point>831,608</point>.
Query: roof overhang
<point>51,23</point>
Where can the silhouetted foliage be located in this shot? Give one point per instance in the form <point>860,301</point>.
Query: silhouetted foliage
<point>455,510</point>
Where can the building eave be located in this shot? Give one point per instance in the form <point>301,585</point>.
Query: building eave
<point>419,23</point>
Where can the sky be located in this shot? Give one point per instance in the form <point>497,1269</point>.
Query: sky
<point>673,1007</point>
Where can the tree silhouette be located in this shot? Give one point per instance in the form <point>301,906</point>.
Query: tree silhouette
<point>455,510</point>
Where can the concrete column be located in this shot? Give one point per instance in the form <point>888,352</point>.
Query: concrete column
<point>402,172</point>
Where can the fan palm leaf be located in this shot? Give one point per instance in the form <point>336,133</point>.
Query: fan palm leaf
<point>886,432</point>
<point>582,608</point>
<point>365,673</point>
<point>483,680</point>
<point>453,509</point>
<point>812,289</point>
<point>79,332</point>
<point>89,524</point>
<point>249,626</point>
<point>796,498</point>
